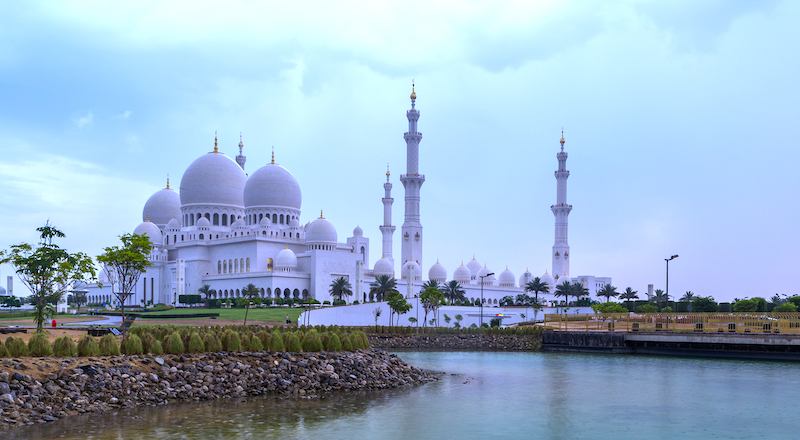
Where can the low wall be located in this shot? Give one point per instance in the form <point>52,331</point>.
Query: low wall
<point>456,342</point>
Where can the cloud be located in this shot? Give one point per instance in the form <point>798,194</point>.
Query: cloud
<point>84,121</point>
<point>127,114</point>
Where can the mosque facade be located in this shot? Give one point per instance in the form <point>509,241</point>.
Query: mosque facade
<point>226,229</point>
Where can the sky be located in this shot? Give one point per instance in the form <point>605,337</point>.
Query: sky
<point>680,120</point>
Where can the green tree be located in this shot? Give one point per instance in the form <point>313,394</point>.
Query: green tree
<point>397,304</point>
<point>447,319</point>
<point>564,290</point>
<point>10,301</point>
<point>628,295</point>
<point>124,265</point>
<point>608,291</point>
<point>249,292</point>
<point>340,287</point>
<point>377,314</point>
<point>458,319</point>
<point>205,291</point>
<point>431,299</point>
<point>689,296</point>
<point>79,298</point>
<point>785,307</point>
<point>48,271</point>
<point>704,304</point>
<point>745,305</point>
<point>381,286</point>
<point>453,292</point>
<point>537,286</point>
<point>430,283</point>
<point>507,301</point>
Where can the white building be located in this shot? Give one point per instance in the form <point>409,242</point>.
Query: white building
<point>228,230</point>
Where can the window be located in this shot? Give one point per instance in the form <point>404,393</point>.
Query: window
<point>207,216</point>
<point>219,266</point>
<point>269,264</point>
<point>274,218</point>
<point>230,266</point>
<point>224,267</point>
<point>216,220</point>
<point>281,218</point>
<point>236,266</point>
<point>248,265</point>
<point>201,236</point>
<point>224,219</point>
<point>241,264</point>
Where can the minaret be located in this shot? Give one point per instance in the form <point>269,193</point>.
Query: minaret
<point>561,211</point>
<point>240,159</point>
<point>412,181</point>
<point>387,229</point>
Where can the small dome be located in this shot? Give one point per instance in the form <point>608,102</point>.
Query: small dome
<point>203,223</point>
<point>548,279</point>
<point>101,276</point>
<point>150,230</point>
<point>294,223</point>
<point>2,291</point>
<point>357,232</point>
<point>321,231</point>
<point>407,268</point>
<point>286,259</point>
<point>506,278</point>
<point>482,273</point>
<point>213,179</point>
<point>162,206</point>
<point>474,267</point>
<point>272,185</point>
<point>383,267</point>
<point>525,278</point>
<point>239,224</point>
<point>462,274</point>
<point>561,280</point>
<point>437,272</point>
<point>265,221</point>
<point>173,224</point>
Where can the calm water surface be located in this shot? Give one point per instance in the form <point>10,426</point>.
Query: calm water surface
<point>496,395</point>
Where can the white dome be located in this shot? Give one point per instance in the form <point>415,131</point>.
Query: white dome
<point>357,232</point>
<point>272,185</point>
<point>173,224</point>
<point>150,230</point>
<point>483,272</point>
<point>286,259</point>
<point>265,221</point>
<point>551,283</point>
<point>2,291</point>
<point>203,223</point>
<point>462,274</point>
<point>213,179</point>
<point>561,280</point>
<point>239,224</point>
<point>321,231</point>
<point>294,223</point>
<point>525,278</point>
<point>101,276</point>
<point>437,272</point>
<point>473,267</point>
<point>383,267</point>
<point>506,278</point>
<point>162,206</point>
<point>407,268</point>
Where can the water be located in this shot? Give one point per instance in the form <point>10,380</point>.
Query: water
<point>495,395</point>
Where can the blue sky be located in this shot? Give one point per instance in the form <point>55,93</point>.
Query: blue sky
<point>680,119</point>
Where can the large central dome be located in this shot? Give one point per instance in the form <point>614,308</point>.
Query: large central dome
<point>272,185</point>
<point>213,179</point>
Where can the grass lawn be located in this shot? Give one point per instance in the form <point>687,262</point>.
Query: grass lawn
<point>276,314</point>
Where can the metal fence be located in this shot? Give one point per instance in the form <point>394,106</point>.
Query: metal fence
<point>756,322</point>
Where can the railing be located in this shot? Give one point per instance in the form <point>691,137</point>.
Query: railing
<point>754,322</point>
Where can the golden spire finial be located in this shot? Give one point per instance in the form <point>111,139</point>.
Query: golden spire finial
<point>387,171</point>
<point>320,214</point>
<point>273,155</point>
<point>215,142</point>
<point>562,136</point>
<point>413,95</point>
<point>286,246</point>
<point>148,218</point>
<point>383,255</point>
<point>167,181</point>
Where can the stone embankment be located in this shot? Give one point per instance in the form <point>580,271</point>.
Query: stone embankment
<point>38,390</point>
<point>456,342</point>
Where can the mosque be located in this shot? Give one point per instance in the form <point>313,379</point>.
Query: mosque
<point>227,230</point>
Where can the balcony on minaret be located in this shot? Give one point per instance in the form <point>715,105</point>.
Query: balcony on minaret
<point>419,133</point>
<point>403,176</point>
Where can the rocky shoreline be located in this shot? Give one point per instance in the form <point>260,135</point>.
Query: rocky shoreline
<point>490,342</point>
<point>39,390</point>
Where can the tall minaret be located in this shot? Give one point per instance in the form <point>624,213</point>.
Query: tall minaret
<point>412,181</point>
<point>240,159</point>
<point>387,229</point>
<point>561,211</point>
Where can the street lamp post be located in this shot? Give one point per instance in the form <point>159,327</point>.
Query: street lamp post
<point>666,300</point>
<point>482,278</point>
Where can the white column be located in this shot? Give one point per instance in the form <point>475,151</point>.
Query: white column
<point>412,182</point>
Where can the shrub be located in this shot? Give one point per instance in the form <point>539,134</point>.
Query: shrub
<point>156,348</point>
<point>255,344</point>
<point>87,346</point>
<point>311,341</point>
<point>16,347</point>
<point>244,341</point>
<point>212,343</point>
<point>108,345</point>
<point>3,352</point>
<point>131,344</point>
<point>173,344</point>
<point>347,344</point>
<point>646,308</point>
<point>265,338</point>
<point>195,344</point>
<point>39,345</point>
<point>334,344</point>
<point>147,341</point>
<point>231,341</point>
<point>294,343</point>
<point>276,343</point>
<point>785,307</point>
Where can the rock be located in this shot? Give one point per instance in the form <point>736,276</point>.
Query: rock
<point>159,361</point>
<point>7,397</point>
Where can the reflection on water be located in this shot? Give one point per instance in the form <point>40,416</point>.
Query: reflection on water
<point>493,395</point>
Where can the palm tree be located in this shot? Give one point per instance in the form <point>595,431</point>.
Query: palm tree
<point>537,286</point>
<point>453,292</point>
<point>659,297</point>
<point>205,291</point>
<point>382,285</point>
<point>341,287</point>
<point>577,290</point>
<point>608,291</point>
<point>689,296</point>
<point>628,295</point>
<point>564,289</point>
<point>249,292</point>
